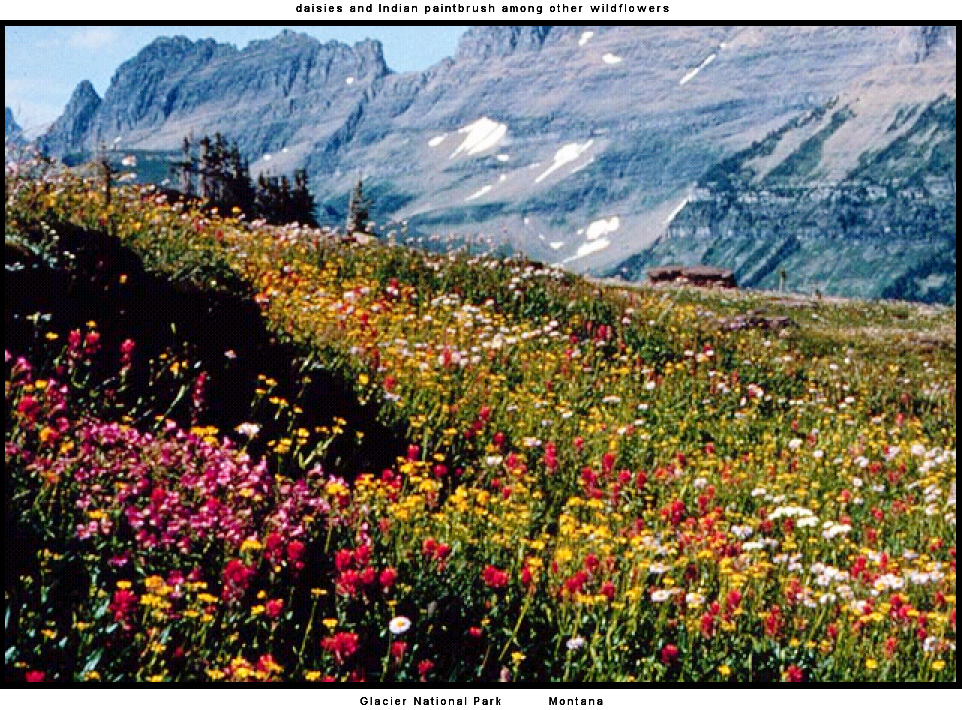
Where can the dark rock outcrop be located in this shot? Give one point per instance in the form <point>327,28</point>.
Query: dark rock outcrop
<point>698,275</point>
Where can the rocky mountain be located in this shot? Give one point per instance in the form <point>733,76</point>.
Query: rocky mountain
<point>824,152</point>
<point>72,131</point>
<point>286,93</point>
<point>12,133</point>
<point>852,197</point>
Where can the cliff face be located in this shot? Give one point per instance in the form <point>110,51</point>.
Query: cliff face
<point>290,92</point>
<point>885,229</point>
<point>12,133</point>
<point>592,145</point>
<point>71,132</point>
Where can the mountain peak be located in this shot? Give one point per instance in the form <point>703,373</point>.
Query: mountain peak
<point>71,128</point>
<point>934,38</point>
<point>489,42</point>
<point>369,51</point>
<point>85,93</point>
<point>9,123</point>
<point>11,129</point>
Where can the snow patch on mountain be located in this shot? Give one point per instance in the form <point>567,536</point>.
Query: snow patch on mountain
<point>589,248</point>
<point>674,212</point>
<point>482,135</point>
<point>601,227</point>
<point>565,154</point>
<point>483,191</point>
<point>691,75</point>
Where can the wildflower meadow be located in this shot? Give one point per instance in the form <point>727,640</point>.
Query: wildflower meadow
<point>533,477</point>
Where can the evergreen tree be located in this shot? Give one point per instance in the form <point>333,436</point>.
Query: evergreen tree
<point>301,199</point>
<point>224,181</point>
<point>186,167</point>
<point>106,173</point>
<point>358,210</point>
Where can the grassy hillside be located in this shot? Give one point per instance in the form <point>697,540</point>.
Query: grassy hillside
<point>508,471</point>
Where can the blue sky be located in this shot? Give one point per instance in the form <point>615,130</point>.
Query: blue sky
<point>43,65</point>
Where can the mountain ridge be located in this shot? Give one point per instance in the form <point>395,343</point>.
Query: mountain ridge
<point>577,145</point>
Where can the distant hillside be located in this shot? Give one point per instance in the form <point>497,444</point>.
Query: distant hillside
<point>885,229</point>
